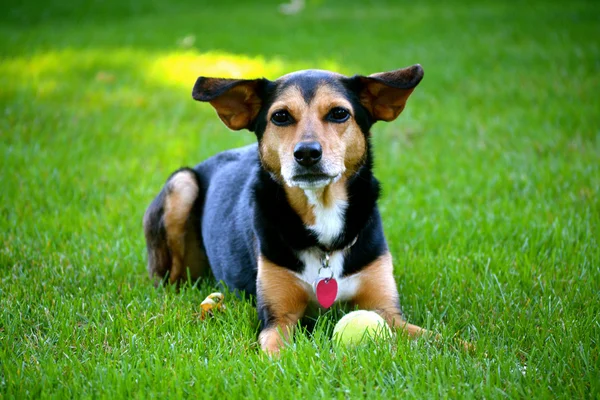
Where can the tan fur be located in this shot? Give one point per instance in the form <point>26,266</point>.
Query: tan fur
<point>334,193</point>
<point>284,295</point>
<point>238,106</point>
<point>383,102</point>
<point>181,237</point>
<point>383,94</point>
<point>300,204</point>
<point>378,292</point>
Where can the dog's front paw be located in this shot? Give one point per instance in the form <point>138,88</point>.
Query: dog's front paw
<point>271,341</point>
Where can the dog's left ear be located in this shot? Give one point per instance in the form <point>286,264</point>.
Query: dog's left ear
<point>237,101</point>
<point>385,94</point>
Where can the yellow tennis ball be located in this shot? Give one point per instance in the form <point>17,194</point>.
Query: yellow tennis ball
<point>354,327</point>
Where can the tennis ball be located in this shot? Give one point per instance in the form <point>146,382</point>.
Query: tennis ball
<point>353,327</point>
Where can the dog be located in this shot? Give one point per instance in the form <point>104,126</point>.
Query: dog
<point>292,219</point>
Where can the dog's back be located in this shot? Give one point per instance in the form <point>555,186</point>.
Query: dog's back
<point>227,181</point>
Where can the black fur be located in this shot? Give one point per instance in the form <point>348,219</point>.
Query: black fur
<point>309,81</point>
<point>202,91</point>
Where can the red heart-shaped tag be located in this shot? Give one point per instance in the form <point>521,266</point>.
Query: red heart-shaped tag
<point>326,291</point>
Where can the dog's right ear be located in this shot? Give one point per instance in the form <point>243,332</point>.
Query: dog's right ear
<point>385,94</point>
<point>237,101</point>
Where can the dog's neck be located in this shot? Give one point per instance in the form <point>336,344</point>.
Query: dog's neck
<point>322,210</point>
<point>331,217</point>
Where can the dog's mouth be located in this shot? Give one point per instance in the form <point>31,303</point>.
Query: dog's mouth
<point>313,181</point>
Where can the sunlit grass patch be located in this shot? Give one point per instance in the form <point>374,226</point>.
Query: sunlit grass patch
<point>181,68</point>
<point>175,68</point>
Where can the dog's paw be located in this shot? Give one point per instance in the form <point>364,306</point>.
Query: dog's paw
<point>271,341</point>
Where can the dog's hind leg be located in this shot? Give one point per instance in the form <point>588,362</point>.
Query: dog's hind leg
<point>172,230</point>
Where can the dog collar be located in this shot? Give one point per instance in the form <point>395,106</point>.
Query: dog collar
<point>327,255</point>
<point>328,250</point>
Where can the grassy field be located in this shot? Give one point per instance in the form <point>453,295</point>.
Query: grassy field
<point>491,181</point>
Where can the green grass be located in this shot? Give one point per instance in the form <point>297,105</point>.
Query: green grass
<point>491,181</point>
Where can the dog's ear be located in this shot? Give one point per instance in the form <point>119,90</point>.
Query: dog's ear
<point>237,101</point>
<point>384,94</point>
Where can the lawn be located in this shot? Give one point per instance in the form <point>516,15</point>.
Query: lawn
<point>491,181</point>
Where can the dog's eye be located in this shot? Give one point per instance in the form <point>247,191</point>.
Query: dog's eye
<point>338,114</point>
<point>282,118</point>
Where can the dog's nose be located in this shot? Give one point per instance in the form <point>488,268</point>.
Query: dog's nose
<point>308,154</point>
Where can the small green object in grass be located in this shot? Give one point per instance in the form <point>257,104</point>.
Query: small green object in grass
<point>360,325</point>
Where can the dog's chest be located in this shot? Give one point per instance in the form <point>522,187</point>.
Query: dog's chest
<point>313,271</point>
<point>329,224</point>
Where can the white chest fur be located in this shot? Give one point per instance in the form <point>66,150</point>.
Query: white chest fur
<point>329,221</point>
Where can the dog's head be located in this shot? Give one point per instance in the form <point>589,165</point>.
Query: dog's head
<point>312,126</point>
